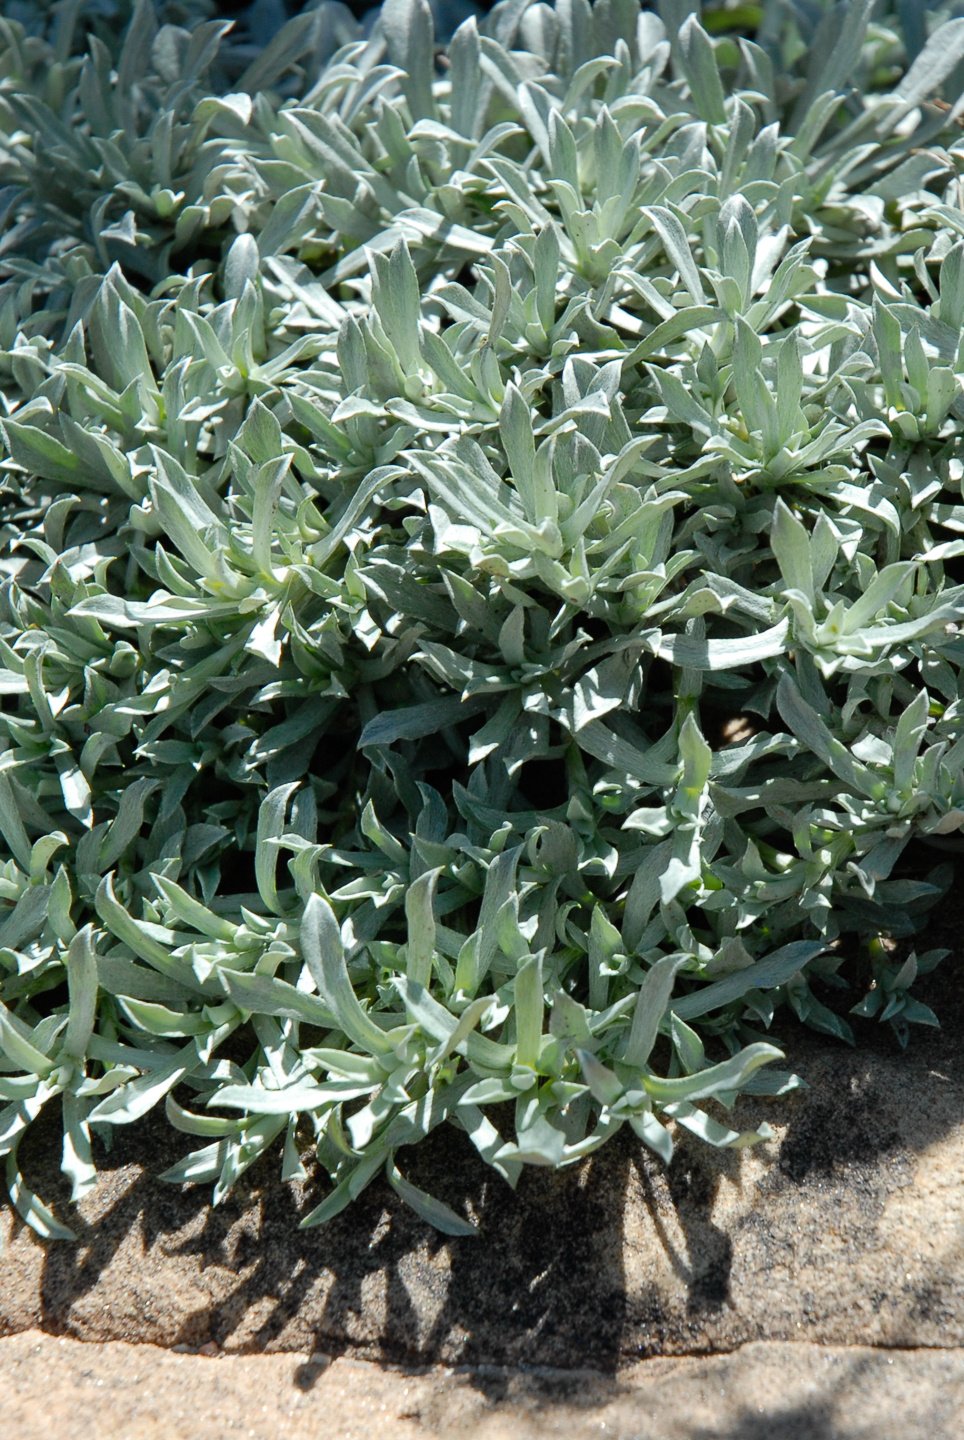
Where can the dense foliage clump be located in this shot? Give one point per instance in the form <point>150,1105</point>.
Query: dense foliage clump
<point>482,536</point>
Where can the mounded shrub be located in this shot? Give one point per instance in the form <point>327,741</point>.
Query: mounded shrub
<point>482,540</point>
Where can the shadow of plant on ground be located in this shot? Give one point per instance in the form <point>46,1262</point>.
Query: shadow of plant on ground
<point>552,1280</point>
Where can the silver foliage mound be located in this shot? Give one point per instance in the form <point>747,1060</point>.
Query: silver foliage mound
<point>482,540</point>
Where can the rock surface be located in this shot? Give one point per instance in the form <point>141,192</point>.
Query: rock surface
<point>830,1264</point>
<point>794,1391</point>
<point>846,1229</point>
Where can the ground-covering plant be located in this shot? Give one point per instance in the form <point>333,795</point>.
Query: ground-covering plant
<point>481,538</point>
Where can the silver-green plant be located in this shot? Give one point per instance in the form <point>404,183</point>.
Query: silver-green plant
<point>482,550</point>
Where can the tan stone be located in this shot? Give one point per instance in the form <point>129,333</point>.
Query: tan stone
<point>52,1385</point>
<point>847,1229</point>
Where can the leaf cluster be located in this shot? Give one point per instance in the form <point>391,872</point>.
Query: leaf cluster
<point>481,536</point>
